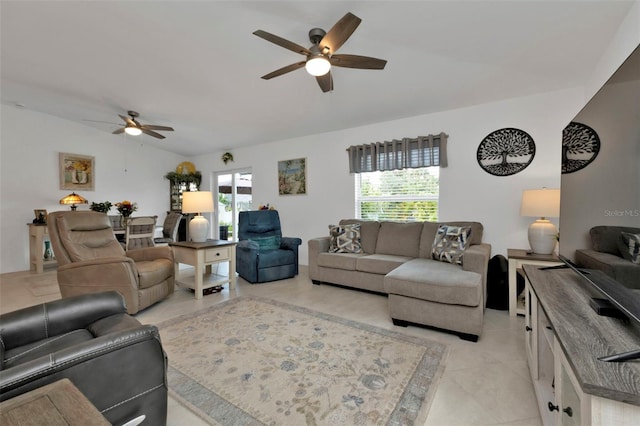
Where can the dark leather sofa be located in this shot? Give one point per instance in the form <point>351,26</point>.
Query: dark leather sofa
<point>115,361</point>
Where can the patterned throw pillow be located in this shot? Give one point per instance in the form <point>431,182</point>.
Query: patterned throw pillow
<point>450,243</point>
<point>630,247</point>
<point>345,238</point>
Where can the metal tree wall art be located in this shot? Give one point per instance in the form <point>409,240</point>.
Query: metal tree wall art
<point>506,152</point>
<point>580,146</point>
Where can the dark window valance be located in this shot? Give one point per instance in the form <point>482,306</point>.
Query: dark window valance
<point>423,151</point>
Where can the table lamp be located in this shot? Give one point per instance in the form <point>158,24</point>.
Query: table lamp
<point>73,199</point>
<point>197,202</point>
<point>541,203</point>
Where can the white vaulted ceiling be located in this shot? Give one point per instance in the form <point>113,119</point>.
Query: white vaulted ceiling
<point>196,66</point>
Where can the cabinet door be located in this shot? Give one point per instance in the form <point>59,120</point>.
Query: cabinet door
<point>531,337</point>
<point>569,401</point>
<point>572,406</point>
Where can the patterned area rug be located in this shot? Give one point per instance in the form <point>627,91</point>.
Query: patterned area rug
<point>252,361</point>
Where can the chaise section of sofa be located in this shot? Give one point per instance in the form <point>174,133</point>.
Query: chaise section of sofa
<point>396,259</point>
<point>607,255</point>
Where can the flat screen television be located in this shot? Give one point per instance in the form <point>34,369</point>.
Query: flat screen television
<point>603,186</point>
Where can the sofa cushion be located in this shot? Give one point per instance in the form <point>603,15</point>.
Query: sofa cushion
<point>450,243</point>
<point>435,281</point>
<point>429,230</point>
<point>278,257</point>
<point>380,264</point>
<point>345,261</point>
<point>605,238</point>
<point>345,238</point>
<point>152,272</point>
<point>629,245</point>
<point>368,233</point>
<point>400,239</point>
<point>267,243</point>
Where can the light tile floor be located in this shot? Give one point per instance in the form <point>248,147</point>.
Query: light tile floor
<point>484,383</point>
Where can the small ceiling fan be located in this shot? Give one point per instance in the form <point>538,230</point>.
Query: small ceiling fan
<point>133,127</point>
<point>322,54</point>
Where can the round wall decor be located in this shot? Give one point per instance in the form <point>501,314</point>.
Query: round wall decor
<point>580,146</point>
<point>506,152</point>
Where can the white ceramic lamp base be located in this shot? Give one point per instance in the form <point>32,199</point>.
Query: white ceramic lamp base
<point>542,236</point>
<point>198,228</point>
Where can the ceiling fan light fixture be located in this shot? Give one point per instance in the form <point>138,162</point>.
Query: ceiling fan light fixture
<point>317,65</point>
<point>133,131</point>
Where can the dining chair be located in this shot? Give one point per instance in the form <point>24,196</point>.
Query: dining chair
<point>169,229</point>
<point>140,232</point>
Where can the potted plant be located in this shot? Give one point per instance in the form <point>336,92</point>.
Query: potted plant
<point>103,207</point>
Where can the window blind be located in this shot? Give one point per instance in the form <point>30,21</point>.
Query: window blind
<point>423,151</point>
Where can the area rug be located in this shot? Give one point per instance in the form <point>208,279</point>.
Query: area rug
<point>253,361</point>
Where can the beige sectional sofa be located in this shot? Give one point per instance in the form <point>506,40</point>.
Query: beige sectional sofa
<point>396,259</point>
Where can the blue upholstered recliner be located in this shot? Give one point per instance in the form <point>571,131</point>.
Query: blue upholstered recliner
<point>263,254</point>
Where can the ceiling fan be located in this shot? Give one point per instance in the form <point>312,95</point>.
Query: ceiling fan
<point>133,127</point>
<point>322,54</point>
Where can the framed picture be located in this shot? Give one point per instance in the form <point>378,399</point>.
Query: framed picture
<point>41,216</point>
<point>292,177</point>
<point>77,172</point>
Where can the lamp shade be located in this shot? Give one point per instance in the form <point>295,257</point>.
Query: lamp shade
<point>73,199</point>
<point>540,203</point>
<point>197,202</point>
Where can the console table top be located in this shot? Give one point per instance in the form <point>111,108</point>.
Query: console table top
<point>585,335</point>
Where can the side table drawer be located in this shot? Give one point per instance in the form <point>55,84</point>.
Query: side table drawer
<point>216,254</point>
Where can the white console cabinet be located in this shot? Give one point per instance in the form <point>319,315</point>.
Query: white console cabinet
<point>585,391</point>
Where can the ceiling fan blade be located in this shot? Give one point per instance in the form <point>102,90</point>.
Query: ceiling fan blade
<point>118,131</point>
<point>325,82</point>
<point>339,33</point>
<point>356,61</point>
<point>154,127</point>
<point>152,133</point>
<point>129,121</point>
<point>284,70</point>
<point>282,42</point>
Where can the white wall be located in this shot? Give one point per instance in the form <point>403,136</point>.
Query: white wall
<point>29,147</point>
<point>466,191</point>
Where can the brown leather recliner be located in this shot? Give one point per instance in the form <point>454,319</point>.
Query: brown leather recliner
<point>90,259</point>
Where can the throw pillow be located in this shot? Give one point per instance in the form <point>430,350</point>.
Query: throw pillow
<point>345,238</point>
<point>450,243</point>
<point>629,245</point>
<point>267,243</point>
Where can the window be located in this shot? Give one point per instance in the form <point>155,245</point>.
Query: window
<point>399,195</point>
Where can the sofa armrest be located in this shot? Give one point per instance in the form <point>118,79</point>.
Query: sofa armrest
<point>151,253</point>
<point>476,259</point>
<point>247,245</point>
<point>319,245</point>
<point>315,247</point>
<point>290,243</point>
<point>39,322</point>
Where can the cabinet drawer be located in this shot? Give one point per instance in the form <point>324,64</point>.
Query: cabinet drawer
<point>216,254</point>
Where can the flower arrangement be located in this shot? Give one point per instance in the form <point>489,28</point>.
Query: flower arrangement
<point>126,208</point>
<point>101,207</point>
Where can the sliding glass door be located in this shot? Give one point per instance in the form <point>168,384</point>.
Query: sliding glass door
<point>233,192</point>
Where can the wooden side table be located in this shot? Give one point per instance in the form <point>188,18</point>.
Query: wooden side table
<point>202,256</point>
<point>518,258</point>
<point>56,404</point>
<point>37,235</point>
